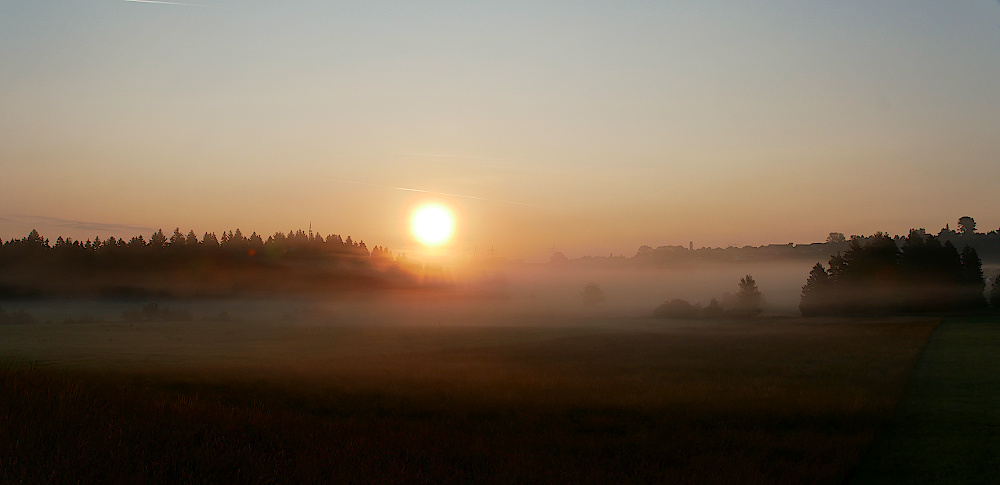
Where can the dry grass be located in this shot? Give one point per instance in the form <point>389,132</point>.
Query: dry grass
<point>765,401</point>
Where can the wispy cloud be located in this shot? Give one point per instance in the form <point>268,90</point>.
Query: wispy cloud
<point>493,162</point>
<point>102,227</point>
<point>445,194</point>
<point>170,3</point>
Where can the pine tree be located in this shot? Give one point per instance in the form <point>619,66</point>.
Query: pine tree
<point>158,239</point>
<point>816,293</point>
<point>713,310</point>
<point>210,240</point>
<point>748,298</point>
<point>971,281</point>
<point>995,292</point>
<point>177,239</point>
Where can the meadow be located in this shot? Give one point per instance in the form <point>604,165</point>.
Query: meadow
<point>946,428</point>
<point>308,396</point>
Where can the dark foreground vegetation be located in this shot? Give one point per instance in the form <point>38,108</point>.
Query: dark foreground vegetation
<point>762,401</point>
<point>945,430</point>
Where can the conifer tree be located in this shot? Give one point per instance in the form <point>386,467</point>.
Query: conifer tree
<point>158,239</point>
<point>816,293</point>
<point>995,293</point>
<point>748,298</point>
<point>971,282</point>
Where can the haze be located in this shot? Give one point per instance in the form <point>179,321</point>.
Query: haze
<point>588,128</point>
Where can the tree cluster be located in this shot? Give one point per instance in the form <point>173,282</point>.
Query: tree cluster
<point>746,303</point>
<point>874,275</point>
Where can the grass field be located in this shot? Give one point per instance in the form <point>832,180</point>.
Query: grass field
<point>947,429</point>
<point>576,400</point>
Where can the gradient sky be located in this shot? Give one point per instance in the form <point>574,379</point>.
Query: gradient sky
<point>590,127</point>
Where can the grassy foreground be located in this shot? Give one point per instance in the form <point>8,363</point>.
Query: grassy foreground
<point>947,429</point>
<point>767,401</point>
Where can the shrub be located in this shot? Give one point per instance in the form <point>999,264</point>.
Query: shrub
<point>677,308</point>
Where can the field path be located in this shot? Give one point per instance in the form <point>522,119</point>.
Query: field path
<point>947,429</point>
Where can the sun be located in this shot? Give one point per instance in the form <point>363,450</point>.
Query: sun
<point>432,224</point>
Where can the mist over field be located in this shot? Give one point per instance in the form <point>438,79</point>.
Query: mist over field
<point>473,297</point>
<point>637,291</point>
<point>521,301</point>
<point>364,242</point>
<point>497,372</point>
<point>399,388</point>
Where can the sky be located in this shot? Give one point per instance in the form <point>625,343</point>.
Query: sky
<point>586,127</point>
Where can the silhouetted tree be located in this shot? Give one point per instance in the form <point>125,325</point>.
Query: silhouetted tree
<point>644,252</point>
<point>35,239</point>
<point>592,294</point>
<point>966,226</point>
<point>876,277</point>
<point>995,292</point>
<point>972,284</point>
<point>951,262</point>
<point>748,298</point>
<point>210,240</point>
<point>677,308</point>
<point>558,258</point>
<point>913,251</point>
<point>29,266</point>
<point>816,293</point>
<point>177,239</point>
<point>713,310</point>
<point>256,242</point>
<point>874,262</point>
<point>158,239</point>
<point>836,238</point>
<point>838,269</point>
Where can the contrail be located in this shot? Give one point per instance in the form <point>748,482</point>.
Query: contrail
<point>407,189</point>
<point>170,3</point>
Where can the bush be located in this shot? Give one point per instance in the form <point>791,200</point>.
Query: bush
<point>592,294</point>
<point>677,308</point>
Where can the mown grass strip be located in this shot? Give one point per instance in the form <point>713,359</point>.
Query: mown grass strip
<point>947,429</point>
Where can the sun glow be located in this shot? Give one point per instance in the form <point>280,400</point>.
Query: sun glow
<point>432,224</point>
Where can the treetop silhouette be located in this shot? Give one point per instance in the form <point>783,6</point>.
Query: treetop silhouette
<point>183,265</point>
<point>878,277</point>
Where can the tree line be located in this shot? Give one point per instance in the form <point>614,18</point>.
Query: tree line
<point>232,242</point>
<point>874,275</point>
<point>965,233</point>
<point>184,264</point>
